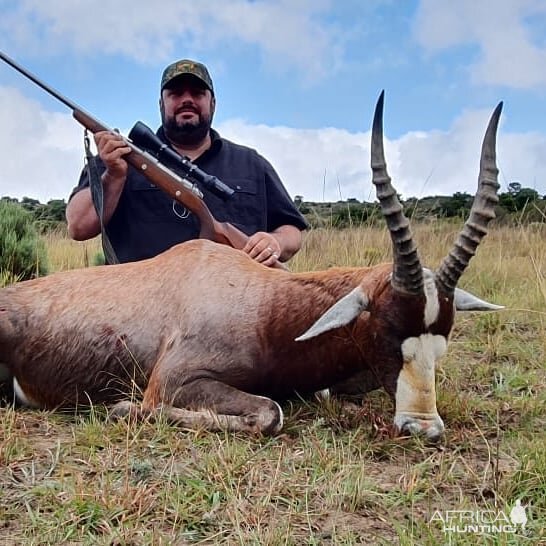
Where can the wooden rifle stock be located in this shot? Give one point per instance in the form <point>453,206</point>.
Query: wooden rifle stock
<point>164,178</point>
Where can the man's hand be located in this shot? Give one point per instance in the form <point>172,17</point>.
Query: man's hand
<point>264,248</point>
<point>111,148</point>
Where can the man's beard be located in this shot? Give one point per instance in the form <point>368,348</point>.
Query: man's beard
<point>186,133</point>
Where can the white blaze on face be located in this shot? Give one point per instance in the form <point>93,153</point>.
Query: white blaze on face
<point>432,307</point>
<point>415,389</point>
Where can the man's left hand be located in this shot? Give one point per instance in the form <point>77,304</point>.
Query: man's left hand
<point>264,248</point>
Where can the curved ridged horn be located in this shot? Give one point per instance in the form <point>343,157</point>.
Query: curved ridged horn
<point>407,272</point>
<point>482,211</point>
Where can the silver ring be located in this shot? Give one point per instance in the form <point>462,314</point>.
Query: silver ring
<point>270,250</point>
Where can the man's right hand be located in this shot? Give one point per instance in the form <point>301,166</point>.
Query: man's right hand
<point>111,148</point>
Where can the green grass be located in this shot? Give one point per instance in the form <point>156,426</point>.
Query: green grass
<point>336,474</point>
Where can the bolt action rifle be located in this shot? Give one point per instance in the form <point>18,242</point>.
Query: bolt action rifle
<point>147,158</point>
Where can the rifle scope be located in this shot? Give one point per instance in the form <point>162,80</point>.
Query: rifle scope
<point>143,137</point>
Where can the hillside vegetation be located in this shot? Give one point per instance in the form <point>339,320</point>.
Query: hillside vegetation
<point>518,205</point>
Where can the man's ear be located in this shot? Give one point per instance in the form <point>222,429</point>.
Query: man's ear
<point>212,104</point>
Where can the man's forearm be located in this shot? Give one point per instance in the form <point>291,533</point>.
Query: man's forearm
<point>82,219</point>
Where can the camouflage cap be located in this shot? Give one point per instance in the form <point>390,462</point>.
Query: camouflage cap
<point>186,66</point>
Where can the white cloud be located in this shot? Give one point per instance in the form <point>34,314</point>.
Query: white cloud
<point>43,155</point>
<point>288,32</point>
<point>508,52</point>
<point>332,163</point>
<point>41,151</point>
<point>317,164</point>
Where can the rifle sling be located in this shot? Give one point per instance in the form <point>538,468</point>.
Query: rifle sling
<point>97,196</point>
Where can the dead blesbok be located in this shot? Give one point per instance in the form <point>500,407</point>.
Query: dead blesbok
<point>211,338</point>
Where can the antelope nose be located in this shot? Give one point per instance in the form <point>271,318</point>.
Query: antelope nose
<point>432,428</point>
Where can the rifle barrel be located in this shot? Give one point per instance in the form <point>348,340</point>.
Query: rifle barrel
<point>72,105</point>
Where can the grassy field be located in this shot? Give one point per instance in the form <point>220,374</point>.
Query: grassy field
<point>336,474</point>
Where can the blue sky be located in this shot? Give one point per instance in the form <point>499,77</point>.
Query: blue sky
<point>295,79</point>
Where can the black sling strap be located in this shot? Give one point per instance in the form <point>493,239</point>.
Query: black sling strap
<point>97,196</point>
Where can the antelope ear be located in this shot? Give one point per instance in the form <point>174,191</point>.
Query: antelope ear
<point>465,301</point>
<point>340,314</point>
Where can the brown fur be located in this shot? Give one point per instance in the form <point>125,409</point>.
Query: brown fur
<point>199,326</point>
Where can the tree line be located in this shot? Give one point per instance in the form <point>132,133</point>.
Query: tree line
<point>46,216</point>
<point>517,203</point>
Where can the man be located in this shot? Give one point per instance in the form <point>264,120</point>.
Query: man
<point>142,221</point>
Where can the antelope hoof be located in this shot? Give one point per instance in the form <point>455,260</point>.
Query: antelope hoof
<point>432,428</point>
<point>271,419</point>
<point>122,409</point>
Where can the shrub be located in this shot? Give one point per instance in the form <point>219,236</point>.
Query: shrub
<point>22,253</point>
<point>98,258</point>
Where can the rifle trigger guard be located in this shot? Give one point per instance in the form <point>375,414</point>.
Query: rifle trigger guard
<point>184,214</point>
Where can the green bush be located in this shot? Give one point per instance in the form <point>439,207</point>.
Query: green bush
<point>98,258</point>
<point>23,254</point>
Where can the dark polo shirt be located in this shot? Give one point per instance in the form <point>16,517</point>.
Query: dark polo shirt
<point>147,221</point>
